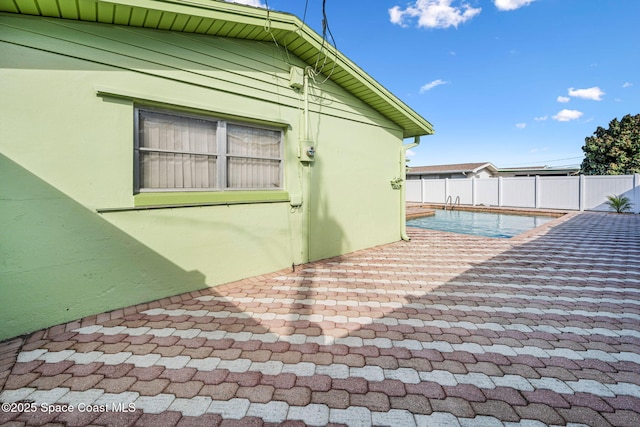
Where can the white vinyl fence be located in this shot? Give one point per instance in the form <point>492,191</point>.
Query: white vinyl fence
<point>579,193</point>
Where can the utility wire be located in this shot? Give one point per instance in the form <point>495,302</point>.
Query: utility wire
<point>326,29</point>
<point>267,23</point>
<point>304,16</point>
<point>267,28</point>
<point>547,161</point>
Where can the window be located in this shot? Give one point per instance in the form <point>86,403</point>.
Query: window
<point>183,152</point>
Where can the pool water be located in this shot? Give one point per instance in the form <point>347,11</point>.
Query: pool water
<point>479,223</point>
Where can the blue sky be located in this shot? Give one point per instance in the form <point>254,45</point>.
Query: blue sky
<point>512,82</point>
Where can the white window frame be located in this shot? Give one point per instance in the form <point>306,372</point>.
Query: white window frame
<point>222,156</point>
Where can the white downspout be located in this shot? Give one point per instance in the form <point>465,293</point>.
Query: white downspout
<point>403,188</point>
<point>306,166</point>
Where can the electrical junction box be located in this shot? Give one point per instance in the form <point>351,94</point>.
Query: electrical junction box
<point>296,200</point>
<point>296,78</point>
<point>306,151</point>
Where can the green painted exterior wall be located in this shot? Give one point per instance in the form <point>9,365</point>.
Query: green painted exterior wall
<point>75,241</point>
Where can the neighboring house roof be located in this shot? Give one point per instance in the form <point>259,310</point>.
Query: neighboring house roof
<point>224,19</point>
<point>539,170</point>
<point>454,168</point>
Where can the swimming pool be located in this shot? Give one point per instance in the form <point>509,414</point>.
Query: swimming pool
<point>479,223</point>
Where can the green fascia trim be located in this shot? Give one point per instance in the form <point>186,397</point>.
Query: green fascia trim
<point>282,26</point>
<point>191,198</point>
<point>419,125</point>
<point>218,10</point>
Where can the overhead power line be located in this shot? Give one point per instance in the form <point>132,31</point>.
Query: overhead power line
<point>547,161</point>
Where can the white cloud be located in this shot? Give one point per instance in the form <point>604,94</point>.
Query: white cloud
<point>563,99</point>
<point>567,115</point>
<point>541,118</point>
<point>511,4</point>
<point>411,153</point>
<point>254,3</point>
<point>521,125</point>
<point>434,13</point>
<point>627,84</point>
<point>429,86</point>
<point>395,15</point>
<point>594,93</point>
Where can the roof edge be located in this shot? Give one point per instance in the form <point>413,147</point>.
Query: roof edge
<point>288,23</point>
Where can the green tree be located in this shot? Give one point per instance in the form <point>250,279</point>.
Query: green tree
<point>613,151</point>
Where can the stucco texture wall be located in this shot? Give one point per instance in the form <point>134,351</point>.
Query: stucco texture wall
<point>66,152</point>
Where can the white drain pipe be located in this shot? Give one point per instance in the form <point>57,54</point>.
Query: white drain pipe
<point>403,188</point>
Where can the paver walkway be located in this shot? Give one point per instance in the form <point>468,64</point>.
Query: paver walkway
<point>445,330</point>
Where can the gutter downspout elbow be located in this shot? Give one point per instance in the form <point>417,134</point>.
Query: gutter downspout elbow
<point>403,189</point>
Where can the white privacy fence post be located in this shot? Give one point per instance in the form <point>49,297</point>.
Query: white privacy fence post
<point>636,193</point>
<point>446,190</point>
<point>473,191</point>
<point>581,192</point>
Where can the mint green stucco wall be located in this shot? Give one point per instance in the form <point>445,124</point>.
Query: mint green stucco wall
<point>68,90</point>
<point>352,203</point>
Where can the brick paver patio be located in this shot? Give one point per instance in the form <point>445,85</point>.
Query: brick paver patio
<point>445,330</point>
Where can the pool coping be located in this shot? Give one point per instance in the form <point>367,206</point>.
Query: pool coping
<point>428,209</point>
<point>544,228</point>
